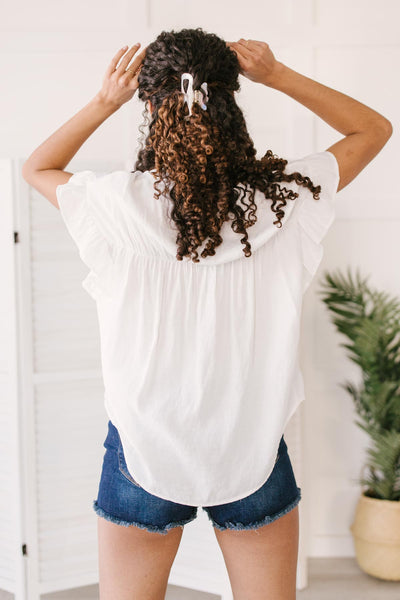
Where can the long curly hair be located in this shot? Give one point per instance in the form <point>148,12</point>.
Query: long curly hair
<point>207,162</point>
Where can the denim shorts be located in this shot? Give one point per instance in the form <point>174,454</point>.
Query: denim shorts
<point>123,501</point>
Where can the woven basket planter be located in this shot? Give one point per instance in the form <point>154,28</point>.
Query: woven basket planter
<point>376,535</point>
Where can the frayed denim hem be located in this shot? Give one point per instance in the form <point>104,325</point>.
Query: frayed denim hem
<point>153,528</point>
<point>257,524</point>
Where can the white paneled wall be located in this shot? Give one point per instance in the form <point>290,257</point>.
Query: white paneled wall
<point>360,57</point>
<point>52,60</point>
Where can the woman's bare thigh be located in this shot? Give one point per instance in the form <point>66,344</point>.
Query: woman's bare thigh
<point>262,563</point>
<point>134,562</point>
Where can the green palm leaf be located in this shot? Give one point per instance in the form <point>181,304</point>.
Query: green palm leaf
<point>370,320</point>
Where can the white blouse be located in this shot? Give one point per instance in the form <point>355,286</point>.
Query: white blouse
<point>199,361</point>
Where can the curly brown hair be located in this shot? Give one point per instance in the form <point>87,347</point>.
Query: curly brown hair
<point>205,162</point>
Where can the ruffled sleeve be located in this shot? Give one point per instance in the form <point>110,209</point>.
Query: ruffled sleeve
<point>315,217</point>
<point>87,205</point>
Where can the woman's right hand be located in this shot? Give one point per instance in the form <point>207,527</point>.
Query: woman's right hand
<point>256,60</point>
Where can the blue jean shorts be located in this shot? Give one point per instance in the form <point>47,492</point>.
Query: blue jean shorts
<point>123,501</point>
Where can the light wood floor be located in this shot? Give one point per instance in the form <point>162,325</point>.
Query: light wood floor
<point>329,579</point>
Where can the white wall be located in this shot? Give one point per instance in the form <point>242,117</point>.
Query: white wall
<point>52,59</point>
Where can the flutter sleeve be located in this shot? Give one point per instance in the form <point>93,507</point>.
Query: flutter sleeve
<point>90,207</point>
<point>315,217</point>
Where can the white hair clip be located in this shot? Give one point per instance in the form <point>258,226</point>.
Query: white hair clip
<point>200,96</point>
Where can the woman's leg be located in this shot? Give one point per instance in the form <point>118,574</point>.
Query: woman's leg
<point>262,562</point>
<point>133,562</point>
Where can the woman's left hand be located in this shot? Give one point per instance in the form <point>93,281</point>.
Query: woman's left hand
<point>120,85</point>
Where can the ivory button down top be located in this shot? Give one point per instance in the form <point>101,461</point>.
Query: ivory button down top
<point>199,360</point>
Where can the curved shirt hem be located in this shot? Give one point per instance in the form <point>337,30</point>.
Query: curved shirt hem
<point>226,500</point>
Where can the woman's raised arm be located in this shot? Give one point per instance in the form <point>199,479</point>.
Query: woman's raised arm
<point>366,131</point>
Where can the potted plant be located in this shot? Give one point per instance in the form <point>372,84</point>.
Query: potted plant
<point>370,319</point>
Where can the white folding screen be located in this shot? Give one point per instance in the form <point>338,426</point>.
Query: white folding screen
<point>62,422</point>
<point>11,551</point>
